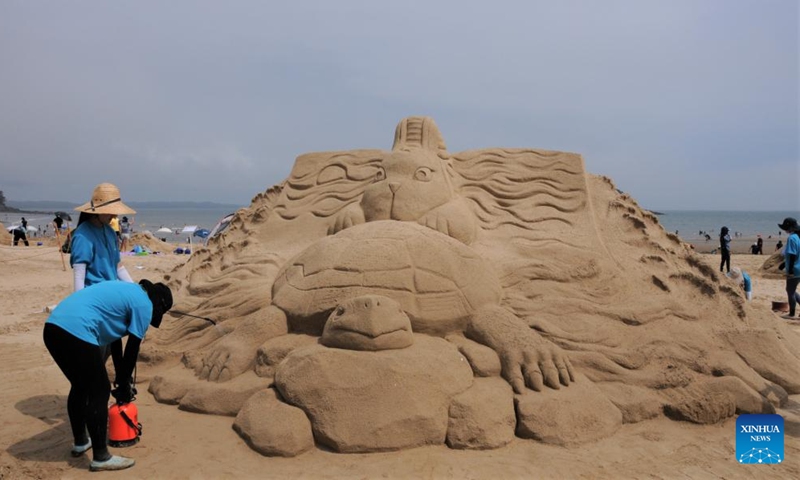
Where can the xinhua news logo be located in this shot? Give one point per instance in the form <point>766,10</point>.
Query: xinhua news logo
<point>759,439</point>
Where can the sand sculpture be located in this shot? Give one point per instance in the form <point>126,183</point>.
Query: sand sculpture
<point>384,300</point>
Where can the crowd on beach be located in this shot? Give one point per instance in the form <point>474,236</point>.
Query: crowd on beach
<point>790,264</point>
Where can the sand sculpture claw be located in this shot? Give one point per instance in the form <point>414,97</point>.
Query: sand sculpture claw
<point>235,353</point>
<point>527,359</point>
<point>350,216</point>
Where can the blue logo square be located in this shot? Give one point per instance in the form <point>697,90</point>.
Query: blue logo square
<point>759,439</point>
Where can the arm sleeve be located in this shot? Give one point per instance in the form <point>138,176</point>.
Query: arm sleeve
<point>125,372</point>
<point>122,274</point>
<point>78,276</point>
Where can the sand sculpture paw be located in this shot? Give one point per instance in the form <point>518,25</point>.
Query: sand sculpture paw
<point>235,353</point>
<point>350,216</point>
<point>526,358</point>
<point>535,364</point>
<point>451,219</point>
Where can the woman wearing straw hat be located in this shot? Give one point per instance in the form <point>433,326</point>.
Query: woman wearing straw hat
<point>94,250</point>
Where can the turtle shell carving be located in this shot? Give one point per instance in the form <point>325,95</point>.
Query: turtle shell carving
<point>438,281</point>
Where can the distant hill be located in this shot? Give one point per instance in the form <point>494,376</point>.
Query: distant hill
<point>52,206</point>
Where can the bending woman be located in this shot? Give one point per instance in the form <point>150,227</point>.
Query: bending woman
<point>76,333</point>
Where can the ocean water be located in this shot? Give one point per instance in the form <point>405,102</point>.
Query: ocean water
<point>689,224</point>
<point>145,219</point>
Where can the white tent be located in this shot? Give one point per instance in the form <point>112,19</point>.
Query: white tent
<point>190,229</point>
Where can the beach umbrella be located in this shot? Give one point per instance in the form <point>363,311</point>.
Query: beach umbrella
<point>202,233</point>
<point>32,229</point>
<point>164,230</point>
<point>64,216</point>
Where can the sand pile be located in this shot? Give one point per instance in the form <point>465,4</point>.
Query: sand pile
<point>5,237</point>
<point>542,303</point>
<point>150,242</point>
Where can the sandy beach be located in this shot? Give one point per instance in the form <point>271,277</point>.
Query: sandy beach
<point>177,444</point>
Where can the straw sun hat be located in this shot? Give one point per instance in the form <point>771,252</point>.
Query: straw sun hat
<point>105,199</point>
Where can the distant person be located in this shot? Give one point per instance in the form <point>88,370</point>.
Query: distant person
<point>19,234</point>
<point>114,224</point>
<point>125,233</point>
<point>778,245</point>
<point>754,249</point>
<point>76,334</point>
<point>743,279</point>
<point>760,243</point>
<point>725,250</point>
<point>95,254</point>
<point>58,222</point>
<point>792,265</point>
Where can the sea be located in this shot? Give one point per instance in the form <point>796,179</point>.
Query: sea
<point>150,219</point>
<point>690,224</point>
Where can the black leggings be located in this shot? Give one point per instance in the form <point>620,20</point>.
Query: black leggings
<point>791,290</point>
<point>726,259</point>
<point>87,405</point>
<point>20,235</point>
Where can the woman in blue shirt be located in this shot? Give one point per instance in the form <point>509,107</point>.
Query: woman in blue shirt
<point>76,334</point>
<point>94,254</point>
<point>791,258</point>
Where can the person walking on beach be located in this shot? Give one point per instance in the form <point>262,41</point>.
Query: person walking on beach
<point>125,233</point>
<point>76,333</point>
<point>19,234</point>
<point>725,249</point>
<point>791,262</point>
<point>95,254</point>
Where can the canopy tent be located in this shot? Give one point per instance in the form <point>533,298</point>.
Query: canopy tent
<point>189,229</point>
<point>27,229</point>
<point>220,226</point>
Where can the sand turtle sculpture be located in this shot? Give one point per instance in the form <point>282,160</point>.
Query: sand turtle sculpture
<point>440,283</point>
<point>412,248</point>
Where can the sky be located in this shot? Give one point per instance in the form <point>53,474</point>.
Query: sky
<point>685,104</point>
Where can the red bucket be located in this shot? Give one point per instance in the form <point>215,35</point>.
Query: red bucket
<point>124,428</point>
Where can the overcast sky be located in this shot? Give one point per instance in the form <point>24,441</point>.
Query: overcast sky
<point>686,104</point>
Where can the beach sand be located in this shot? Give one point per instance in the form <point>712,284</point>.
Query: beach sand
<point>35,438</point>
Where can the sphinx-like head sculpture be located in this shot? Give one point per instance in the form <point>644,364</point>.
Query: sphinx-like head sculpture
<point>408,184</point>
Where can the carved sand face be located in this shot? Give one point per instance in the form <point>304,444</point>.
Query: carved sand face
<point>407,185</point>
<point>368,322</point>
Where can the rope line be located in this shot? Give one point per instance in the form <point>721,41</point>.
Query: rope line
<point>25,258</point>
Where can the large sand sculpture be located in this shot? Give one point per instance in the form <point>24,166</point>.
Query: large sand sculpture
<point>380,300</point>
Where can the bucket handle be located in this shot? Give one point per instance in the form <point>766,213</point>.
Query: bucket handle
<point>137,426</point>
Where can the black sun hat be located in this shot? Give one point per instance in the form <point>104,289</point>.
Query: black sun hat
<point>161,297</point>
<point>789,225</point>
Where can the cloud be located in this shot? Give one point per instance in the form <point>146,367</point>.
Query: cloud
<point>664,97</point>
